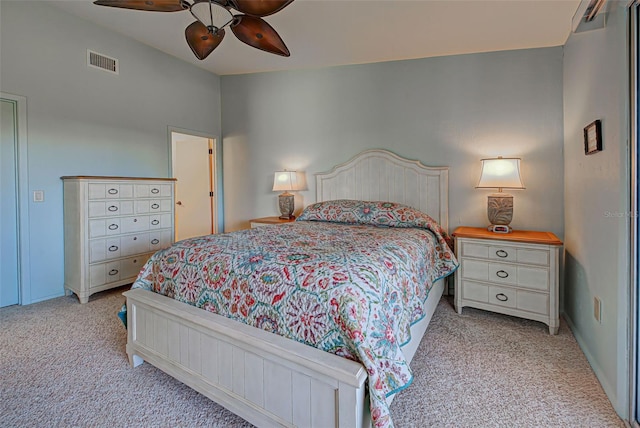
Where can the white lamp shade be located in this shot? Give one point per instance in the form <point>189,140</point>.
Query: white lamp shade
<point>501,173</point>
<point>285,181</point>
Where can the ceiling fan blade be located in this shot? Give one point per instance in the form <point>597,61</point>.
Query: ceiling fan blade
<point>150,5</point>
<point>201,41</point>
<point>259,7</point>
<point>257,33</point>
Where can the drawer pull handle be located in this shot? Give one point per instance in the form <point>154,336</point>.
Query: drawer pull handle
<point>135,220</point>
<point>113,248</point>
<point>502,297</point>
<point>113,226</point>
<point>154,241</point>
<point>502,254</point>
<point>113,272</point>
<point>112,191</point>
<point>155,206</point>
<point>135,260</point>
<point>155,190</point>
<point>113,208</point>
<point>155,222</point>
<point>135,238</point>
<point>502,274</point>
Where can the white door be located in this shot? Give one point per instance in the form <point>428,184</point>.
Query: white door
<point>193,166</point>
<point>8,204</point>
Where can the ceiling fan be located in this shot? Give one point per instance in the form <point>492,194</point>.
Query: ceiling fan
<point>212,16</point>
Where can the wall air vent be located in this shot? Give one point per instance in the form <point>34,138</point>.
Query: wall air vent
<point>591,15</point>
<point>102,62</point>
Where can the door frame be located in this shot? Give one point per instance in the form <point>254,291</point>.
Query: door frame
<point>634,289</point>
<point>22,192</point>
<point>217,148</point>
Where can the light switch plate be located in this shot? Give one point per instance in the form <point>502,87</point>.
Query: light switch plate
<point>38,196</point>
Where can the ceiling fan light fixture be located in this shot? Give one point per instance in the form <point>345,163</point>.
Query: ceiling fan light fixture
<point>211,14</point>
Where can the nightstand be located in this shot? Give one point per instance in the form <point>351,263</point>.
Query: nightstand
<point>268,221</point>
<point>513,273</point>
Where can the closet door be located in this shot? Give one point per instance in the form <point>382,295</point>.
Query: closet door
<point>8,204</point>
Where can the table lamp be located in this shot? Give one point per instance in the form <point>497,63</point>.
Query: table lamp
<point>285,180</point>
<point>500,173</point>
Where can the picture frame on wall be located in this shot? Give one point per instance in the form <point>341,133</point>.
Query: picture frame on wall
<point>593,138</point>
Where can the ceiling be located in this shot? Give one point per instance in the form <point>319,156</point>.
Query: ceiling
<point>322,33</point>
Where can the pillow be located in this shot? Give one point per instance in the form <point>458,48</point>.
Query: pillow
<point>388,214</point>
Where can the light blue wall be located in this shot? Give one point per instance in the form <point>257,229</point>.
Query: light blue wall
<point>597,200</point>
<point>83,121</point>
<point>443,111</point>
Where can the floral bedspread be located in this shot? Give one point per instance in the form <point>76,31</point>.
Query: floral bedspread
<point>352,289</point>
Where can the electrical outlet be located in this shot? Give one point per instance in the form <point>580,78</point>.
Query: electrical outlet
<point>38,196</point>
<point>597,309</point>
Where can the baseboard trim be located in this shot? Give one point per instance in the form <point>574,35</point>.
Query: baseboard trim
<point>597,370</point>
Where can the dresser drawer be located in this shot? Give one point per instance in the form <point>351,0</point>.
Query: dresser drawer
<point>110,191</point>
<point>135,224</point>
<point>160,221</point>
<point>153,206</point>
<point>105,273</point>
<point>117,226</point>
<point>153,190</point>
<point>536,278</point>
<point>159,240</point>
<point>110,208</point>
<point>104,249</point>
<point>134,244</point>
<point>104,227</point>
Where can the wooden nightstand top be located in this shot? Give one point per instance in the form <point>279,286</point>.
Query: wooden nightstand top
<point>526,236</point>
<point>271,220</point>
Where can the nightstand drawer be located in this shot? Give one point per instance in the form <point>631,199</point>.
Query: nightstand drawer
<point>506,253</point>
<point>503,273</point>
<point>505,297</point>
<point>533,302</point>
<point>533,257</point>
<point>499,296</point>
<point>478,251</point>
<point>489,272</point>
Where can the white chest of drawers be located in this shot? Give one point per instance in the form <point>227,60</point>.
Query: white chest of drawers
<point>515,274</point>
<point>112,225</point>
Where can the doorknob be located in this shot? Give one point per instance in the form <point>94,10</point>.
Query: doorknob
<point>179,203</point>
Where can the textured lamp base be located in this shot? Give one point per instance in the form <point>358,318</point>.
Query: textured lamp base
<point>286,205</point>
<point>500,212</point>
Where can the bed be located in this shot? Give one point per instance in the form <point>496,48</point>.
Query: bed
<point>268,379</point>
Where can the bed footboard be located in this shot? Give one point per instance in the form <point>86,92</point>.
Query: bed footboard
<point>262,377</point>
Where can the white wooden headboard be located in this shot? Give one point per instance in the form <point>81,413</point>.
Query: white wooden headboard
<point>379,175</point>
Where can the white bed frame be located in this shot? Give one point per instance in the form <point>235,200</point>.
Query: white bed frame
<point>267,379</point>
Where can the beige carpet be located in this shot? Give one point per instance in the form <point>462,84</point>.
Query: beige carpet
<point>63,364</point>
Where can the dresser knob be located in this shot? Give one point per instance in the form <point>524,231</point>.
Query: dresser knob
<point>155,241</point>
<point>113,191</point>
<point>113,226</point>
<point>502,254</point>
<point>113,208</point>
<point>502,274</point>
<point>113,272</point>
<point>155,222</point>
<point>155,206</point>
<point>113,248</point>
<point>502,297</point>
<point>155,190</point>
